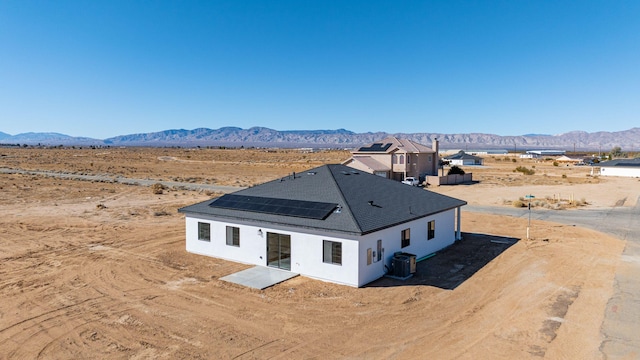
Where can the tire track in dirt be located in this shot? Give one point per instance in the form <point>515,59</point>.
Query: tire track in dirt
<point>109,279</point>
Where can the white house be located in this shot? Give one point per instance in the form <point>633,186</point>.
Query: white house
<point>541,153</point>
<point>332,223</point>
<point>487,152</point>
<point>462,158</point>
<point>618,167</point>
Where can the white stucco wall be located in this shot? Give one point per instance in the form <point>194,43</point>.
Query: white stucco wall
<point>419,245</point>
<point>250,251</point>
<point>307,248</point>
<point>620,171</point>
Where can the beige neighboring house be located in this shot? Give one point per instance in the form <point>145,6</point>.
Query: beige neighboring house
<point>396,159</point>
<point>567,160</point>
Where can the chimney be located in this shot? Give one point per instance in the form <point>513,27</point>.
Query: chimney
<point>435,146</point>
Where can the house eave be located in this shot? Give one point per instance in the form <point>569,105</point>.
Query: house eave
<point>271,222</point>
<point>316,228</point>
<point>417,217</point>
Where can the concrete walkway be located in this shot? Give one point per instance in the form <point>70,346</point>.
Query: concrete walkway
<point>621,324</point>
<point>259,277</point>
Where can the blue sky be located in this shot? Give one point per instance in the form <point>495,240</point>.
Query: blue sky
<point>107,68</point>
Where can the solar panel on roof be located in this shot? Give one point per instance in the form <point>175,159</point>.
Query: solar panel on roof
<point>275,206</point>
<point>375,147</point>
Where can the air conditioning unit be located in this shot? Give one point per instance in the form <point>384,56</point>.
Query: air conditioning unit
<point>401,265</point>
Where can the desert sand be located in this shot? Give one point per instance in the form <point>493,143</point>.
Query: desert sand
<point>99,270</point>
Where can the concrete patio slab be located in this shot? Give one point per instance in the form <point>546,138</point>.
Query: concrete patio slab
<point>259,277</point>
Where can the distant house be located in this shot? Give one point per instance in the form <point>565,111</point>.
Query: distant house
<point>487,152</point>
<point>618,167</point>
<point>396,159</point>
<point>567,160</point>
<point>462,158</point>
<point>542,153</point>
<point>333,223</point>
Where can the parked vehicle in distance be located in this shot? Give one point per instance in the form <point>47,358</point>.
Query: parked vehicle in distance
<point>410,180</point>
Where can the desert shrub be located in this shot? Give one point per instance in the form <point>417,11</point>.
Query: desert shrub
<point>157,188</point>
<point>518,204</point>
<point>555,163</point>
<point>455,170</point>
<point>564,176</point>
<point>525,170</point>
<point>514,160</point>
<point>538,203</point>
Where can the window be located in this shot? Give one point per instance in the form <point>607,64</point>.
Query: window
<point>406,235</point>
<point>369,256</point>
<point>395,158</point>
<point>379,253</point>
<point>233,236</point>
<point>332,252</point>
<point>204,231</point>
<point>401,159</point>
<point>431,230</point>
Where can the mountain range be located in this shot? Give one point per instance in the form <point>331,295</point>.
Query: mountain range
<point>628,140</point>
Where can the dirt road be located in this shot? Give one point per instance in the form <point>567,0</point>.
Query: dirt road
<point>124,180</point>
<point>622,315</point>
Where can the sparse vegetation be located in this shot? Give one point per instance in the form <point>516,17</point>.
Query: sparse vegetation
<point>525,170</point>
<point>455,170</point>
<point>616,152</point>
<point>549,202</point>
<point>157,188</point>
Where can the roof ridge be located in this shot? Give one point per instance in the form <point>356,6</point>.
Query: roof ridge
<point>344,199</point>
<point>413,145</point>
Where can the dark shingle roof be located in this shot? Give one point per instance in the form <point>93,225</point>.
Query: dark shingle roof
<point>461,155</point>
<point>391,144</point>
<point>621,163</point>
<point>367,202</point>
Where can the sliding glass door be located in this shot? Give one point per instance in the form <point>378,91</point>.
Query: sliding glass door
<point>279,251</point>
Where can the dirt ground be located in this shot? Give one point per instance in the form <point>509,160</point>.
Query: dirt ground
<point>99,270</point>
<point>496,183</point>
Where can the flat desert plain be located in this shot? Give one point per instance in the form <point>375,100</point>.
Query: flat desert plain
<point>98,269</point>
